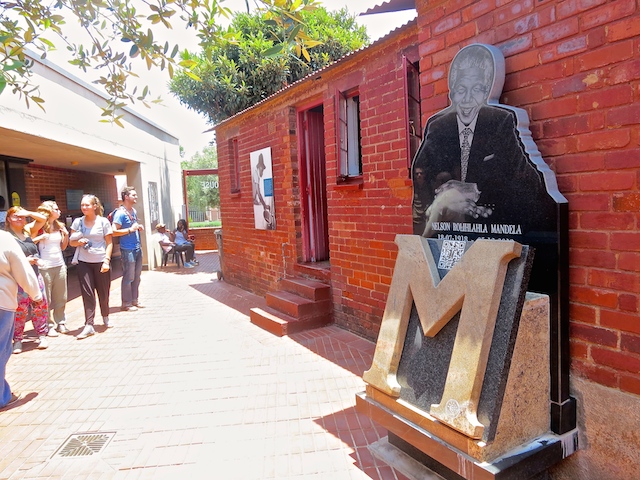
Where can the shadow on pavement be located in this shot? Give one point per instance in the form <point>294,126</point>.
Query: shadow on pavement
<point>343,348</point>
<point>358,431</point>
<point>231,296</point>
<point>23,399</point>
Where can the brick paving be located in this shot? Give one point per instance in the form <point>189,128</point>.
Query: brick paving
<point>188,388</point>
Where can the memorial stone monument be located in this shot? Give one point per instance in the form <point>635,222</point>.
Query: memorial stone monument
<point>471,369</point>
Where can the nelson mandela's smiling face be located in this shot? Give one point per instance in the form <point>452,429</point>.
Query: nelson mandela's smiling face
<point>469,93</point>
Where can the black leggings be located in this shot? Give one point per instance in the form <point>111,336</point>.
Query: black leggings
<point>188,248</point>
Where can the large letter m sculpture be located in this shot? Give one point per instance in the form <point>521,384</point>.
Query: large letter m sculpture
<point>474,288</point>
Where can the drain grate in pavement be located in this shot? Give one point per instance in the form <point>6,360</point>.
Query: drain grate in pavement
<point>84,444</point>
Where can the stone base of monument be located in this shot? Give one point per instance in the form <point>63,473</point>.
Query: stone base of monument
<point>406,464</point>
<point>522,446</point>
<point>426,468</point>
<point>528,461</point>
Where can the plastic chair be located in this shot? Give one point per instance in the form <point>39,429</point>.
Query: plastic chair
<point>177,257</point>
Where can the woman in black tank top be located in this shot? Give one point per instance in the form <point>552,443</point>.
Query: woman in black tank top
<point>38,313</point>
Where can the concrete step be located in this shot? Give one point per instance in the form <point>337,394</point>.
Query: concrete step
<point>281,324</point>
<point>307,288</point>
<point>320,271</point>
<point>297,306</point>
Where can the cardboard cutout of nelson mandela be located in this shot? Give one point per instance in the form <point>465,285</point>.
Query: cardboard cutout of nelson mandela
<point>482,179</point>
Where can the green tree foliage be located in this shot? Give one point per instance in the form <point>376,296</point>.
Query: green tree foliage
<point>202,191</point>
<point>117,32</point>
<point>252,62</point>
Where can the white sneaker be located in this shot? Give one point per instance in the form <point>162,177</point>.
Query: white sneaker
<point>17,346</point>
<point>52,332</point>
<point>106,322</point>
<point>43,342</point>
<point>86,332</point>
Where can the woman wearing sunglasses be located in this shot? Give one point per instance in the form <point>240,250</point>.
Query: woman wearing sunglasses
<point>38,312</point>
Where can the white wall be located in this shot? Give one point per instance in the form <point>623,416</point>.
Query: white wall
<point>143,151</point>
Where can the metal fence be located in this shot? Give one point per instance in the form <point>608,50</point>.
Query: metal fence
<point>197,216</point>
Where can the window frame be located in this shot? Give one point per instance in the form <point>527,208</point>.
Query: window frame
<point>234,178</point>
<point>349,136</point>
<point>413,116</point>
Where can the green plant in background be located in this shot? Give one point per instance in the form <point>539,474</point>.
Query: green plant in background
<point>251,61</point>
<point>202,190</point>
<point>217,223</point>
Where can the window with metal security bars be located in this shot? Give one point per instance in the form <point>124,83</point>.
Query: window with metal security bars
<point>349,136</point>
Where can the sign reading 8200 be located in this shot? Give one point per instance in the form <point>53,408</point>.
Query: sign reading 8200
<point>209,184</point>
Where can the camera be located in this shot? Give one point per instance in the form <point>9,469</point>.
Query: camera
<point>87,245</point>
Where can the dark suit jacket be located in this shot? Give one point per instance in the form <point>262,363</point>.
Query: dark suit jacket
<point>508,181</point>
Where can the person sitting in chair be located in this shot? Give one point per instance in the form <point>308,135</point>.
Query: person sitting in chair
<point>183,239</point>
<point>167,244</point>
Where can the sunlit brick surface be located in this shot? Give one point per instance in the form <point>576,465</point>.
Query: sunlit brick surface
<point>192,390</point>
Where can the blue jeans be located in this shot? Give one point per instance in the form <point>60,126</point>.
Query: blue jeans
<point>6,349</point>
<point>131,271</point>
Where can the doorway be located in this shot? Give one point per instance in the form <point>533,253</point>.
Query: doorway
<point>313,185</point>
<point>12,181</point>
<point>201,198</point>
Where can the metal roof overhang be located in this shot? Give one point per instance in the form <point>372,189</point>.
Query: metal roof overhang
<point>391,6</point>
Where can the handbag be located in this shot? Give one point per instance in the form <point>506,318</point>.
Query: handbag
<point>74,260</point>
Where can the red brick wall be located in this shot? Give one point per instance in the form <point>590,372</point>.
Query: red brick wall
<point>254,258</point>
<point>205,238</point>
<point>363,221</point>
<point>575,67</point>
<point>52,181</point>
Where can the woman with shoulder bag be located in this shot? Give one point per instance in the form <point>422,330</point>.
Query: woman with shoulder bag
<point>52,240</point>
<point>92,234</point>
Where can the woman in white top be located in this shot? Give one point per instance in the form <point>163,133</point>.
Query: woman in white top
<point>52,241</point>
<point>14,270</point>
<point>92,234</point>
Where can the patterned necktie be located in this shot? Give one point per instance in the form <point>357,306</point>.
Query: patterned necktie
<point>466,149</point>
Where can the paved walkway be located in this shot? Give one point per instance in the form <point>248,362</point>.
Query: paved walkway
<point>188,388</point>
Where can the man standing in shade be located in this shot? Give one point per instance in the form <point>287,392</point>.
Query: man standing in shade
<point>14,270</point>
<point>126,226</point>
<point>476,147</point>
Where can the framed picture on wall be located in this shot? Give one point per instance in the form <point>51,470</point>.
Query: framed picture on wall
<point>262,189</point>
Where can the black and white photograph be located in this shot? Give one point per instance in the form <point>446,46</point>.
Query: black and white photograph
<point>262,189</point>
